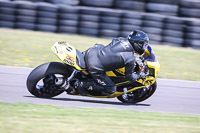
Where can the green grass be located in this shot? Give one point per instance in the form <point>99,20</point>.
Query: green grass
<point>30,118</point>
<point>29,49</point>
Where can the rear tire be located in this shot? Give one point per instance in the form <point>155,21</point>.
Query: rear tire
<point>44,71</point>
<point>135,97</point>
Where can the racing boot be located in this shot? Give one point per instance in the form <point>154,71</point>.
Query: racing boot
<point>80,86</point>
<point>105,91</point>
<point>111,90</point>
<point>84,85</point>
<point>89,84</point>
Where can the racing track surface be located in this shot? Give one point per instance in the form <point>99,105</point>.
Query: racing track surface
<point>177,96</point>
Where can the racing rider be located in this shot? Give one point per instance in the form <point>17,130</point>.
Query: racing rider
<point>119,53</point>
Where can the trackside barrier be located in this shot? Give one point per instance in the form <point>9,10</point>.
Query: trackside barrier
<point>179,25</point>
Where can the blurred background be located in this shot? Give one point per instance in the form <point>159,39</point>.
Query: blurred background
<point>170,22</point>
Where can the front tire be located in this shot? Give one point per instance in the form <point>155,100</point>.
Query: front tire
<point>138,95</point>
<point>40,81</point>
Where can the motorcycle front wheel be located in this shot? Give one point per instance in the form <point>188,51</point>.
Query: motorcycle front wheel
<point>41,81</point>
<point>138,95</point>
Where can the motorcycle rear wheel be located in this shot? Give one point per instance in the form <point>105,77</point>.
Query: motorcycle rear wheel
<point>138,95</point>
<point>41,81</point>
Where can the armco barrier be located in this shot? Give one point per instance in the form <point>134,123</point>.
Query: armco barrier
<point>72,17</point>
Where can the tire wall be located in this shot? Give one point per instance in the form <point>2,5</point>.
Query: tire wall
<point>170,22</point>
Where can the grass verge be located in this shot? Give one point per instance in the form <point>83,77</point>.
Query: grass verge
<point>31,118</point>
<point>29,49</point>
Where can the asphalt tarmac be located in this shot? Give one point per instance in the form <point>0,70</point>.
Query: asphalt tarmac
<point>172,96</point>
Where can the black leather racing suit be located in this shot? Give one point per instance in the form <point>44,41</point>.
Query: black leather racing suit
<point>117,54</point>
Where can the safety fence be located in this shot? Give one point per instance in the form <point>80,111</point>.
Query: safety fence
<point>118,18</point>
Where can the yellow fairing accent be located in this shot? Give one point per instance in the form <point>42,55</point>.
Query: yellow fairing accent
<point>110,74</point>
<point>146,53</point>
<point>154,65</point>
<point>66,53</point>
<point>150,79</point>
<point>120,71</point>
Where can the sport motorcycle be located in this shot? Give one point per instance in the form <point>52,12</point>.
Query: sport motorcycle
<point>53,78</point>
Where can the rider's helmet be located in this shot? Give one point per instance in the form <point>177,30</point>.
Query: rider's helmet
<point>139,40</point>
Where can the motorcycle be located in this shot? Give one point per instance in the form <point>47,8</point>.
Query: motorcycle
<point>53,78</point>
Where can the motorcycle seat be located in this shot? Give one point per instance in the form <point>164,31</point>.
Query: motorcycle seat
<point>80,59</point>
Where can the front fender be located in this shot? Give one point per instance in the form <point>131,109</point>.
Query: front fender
<point>56,67</point>
<point>47,69</point>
